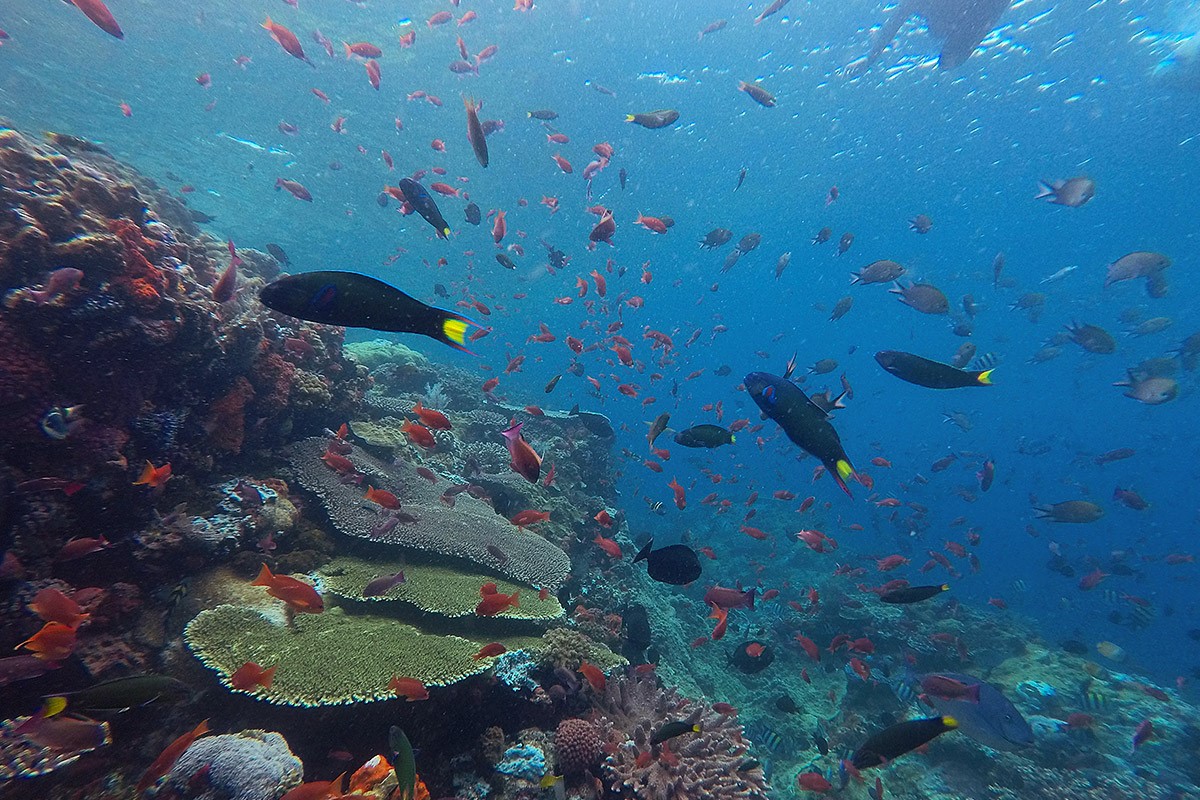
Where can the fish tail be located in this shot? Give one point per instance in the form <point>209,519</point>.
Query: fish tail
<point>841,471</point>
<point>264,577</point>
<point>950,722</point>
<point>53,706</point>
<point>732,438</point>
<point>629,117</point>
<point>453,330</point>
<point>1044,190</point>
<point>644,552</point>
<point>985,377</point>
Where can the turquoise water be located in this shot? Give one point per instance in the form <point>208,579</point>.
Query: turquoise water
<point>1101,89</point>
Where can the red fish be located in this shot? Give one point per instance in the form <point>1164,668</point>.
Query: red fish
<point>601,284</point>
<point>80,547</point>
<point>490,651</point>
<point>250,675</point>
<point>809,646</point>
<point>435,420</point>
<point>440,18</point>
<point>610,547</point>
<point>595,677</point>
<point>54,606</point>
<point>494,602</point>
<point>299,595</point>
<point>529,517</point>
<point>813,782</point>
<point>721,615</point>
<point>373,73</point>
<point>603,230</point>
<point>98,13</point>
<point>53,642</point>
<point>723,597</point>
<point>499,227</point>
<point>604,518</point>
<point>563,164</point>
<point>410,689</point>
<point>167,758</point>
<point>754,533</point>
<point>680,496</point>
<point>153,476</point>
<point>382,497</point>
<point>418,434</point>
<point>284,38</point>
<point>363,49</point>
<point>524,460</point>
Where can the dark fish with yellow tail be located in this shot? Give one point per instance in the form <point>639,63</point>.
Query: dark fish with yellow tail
<point>670,730</point>
<point>475,131</point>
<point>654,119</point>
<point>553,382</point>
<point>804,422</point>
<point>351,300</point>
<point>903,737</point>
<point>913,594</point>
<point>119,694</point>
<point>705,435</point>
<point>418,197</point>
<point>928,373</point>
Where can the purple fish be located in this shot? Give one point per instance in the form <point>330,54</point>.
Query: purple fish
<point>383,584</point>
<point>20,668</point>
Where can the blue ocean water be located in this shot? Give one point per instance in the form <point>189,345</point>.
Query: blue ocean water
<point>1102,89</point>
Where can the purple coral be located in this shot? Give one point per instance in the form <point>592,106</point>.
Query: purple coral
<point>705,764</point>
<point>578,746</point>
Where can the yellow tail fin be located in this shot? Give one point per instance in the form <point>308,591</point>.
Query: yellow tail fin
<point>53,706</point>
<point>629,117</point>
<point>985,377</point>
<point>455,330</point>
<point>844,469</point>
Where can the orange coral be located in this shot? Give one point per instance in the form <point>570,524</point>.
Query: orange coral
<point>143,294</point>
<point>226,424</point>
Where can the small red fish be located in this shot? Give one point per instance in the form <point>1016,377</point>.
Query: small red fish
<point>410,689</point>
<point>609,546</point>
<point>153,476</point>
<point>595,677</point>
<point>490,651</point>
<point>250,675</point>
<point>170,754</point>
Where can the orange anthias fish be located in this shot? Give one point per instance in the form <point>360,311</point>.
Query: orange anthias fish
<point>287,40</point>
<point>610,547</point>
<point>316,790</point>
<point>382,497</point>
<point>418,434</point>
<point>435,420</point>
<point>495,602</point>
<point>54,642</point>
<point>54,606</point>
<point>595,677</point>
<point>299,595</point>
<point>153,476</point>
<point>490,651</point>
<point>410,689</point>
<point>98,13</point>
<point>167,758</point>
<point>250,675</point>
<point>524,460</point>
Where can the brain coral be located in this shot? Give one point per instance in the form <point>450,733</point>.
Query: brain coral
<point>436,589</point>
<point>332,658</point>
<point>470,530</point>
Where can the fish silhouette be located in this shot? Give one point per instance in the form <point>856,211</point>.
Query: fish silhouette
<point>960,24</point>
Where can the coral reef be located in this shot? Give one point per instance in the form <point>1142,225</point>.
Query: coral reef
<point>248,765</point>
<point>470,529</point>
<point>435,589</point>
<point>578,746</point>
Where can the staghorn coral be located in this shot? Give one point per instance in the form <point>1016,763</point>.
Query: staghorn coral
<point>578,746</point>
<point>332,658</point>
<point>470,530</point>
<point>432,588</point>
<point>703,764</point>
<point>248,765</point>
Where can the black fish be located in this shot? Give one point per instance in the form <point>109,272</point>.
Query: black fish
<point>654,119</point>
<point>505,261</point>
<point>821,742</point>
<point>741,178</point>
<point>1078,648</point>
<point>381,199</point>
<point>119,694</point>
<point>277,253</point>
<point>675,564</point>
<point>418,197</point>
<point>670,730</point>
<point>621,176</point>
<point>351,300</point>
<point>722,370</point>
<point>913,594</point>
<point>930,374</point>
<point>637,628</point>
<point>786,704</point>
<point>200,216</point>
<point>891,743</point>
<point>743,659</point>
<point>543,114</point>
<point>704,436</point>
<point>802,420</point>
<point>440,290</point>
<point>472,213</point>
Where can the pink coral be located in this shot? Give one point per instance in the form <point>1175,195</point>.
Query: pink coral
<point>577,746</point>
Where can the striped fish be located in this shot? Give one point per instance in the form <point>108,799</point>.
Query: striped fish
<point>760,734</point>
